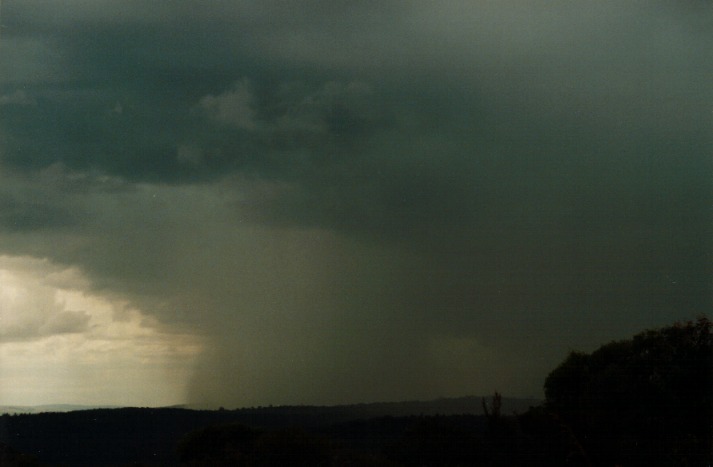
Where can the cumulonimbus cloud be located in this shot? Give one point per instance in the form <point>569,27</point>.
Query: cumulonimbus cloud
<point>365,192</point>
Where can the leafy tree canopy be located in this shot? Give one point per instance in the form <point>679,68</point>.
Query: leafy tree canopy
<point>646,400</point>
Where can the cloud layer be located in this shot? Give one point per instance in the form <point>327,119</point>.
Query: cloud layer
<point>359,200</point>
<point>60,341</point>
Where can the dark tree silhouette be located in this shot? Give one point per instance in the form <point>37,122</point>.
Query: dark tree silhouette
<point>643,401</point>
<point>492,414</point>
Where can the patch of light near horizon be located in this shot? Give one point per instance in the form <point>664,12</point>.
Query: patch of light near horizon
<point>60,342</point>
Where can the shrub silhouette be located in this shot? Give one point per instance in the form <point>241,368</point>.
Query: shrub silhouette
<point>643,401</point>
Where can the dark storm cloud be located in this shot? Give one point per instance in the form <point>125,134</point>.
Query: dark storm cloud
<point>567,105</point>
<point>23,215</point>
<point>406,182</point>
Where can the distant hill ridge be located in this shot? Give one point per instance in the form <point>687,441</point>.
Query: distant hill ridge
<point>471,405</point>
<point>441,406</point>
<point>34,409</point>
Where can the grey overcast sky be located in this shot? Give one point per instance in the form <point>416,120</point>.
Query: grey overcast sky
<point>266,202</point>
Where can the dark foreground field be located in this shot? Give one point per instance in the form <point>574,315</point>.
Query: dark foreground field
<point>314,436</point>
<point>367,434</point>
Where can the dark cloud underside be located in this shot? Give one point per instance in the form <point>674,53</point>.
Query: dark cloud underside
<point>355,187</point>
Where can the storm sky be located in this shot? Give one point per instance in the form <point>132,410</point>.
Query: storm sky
<point>246,203</point>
